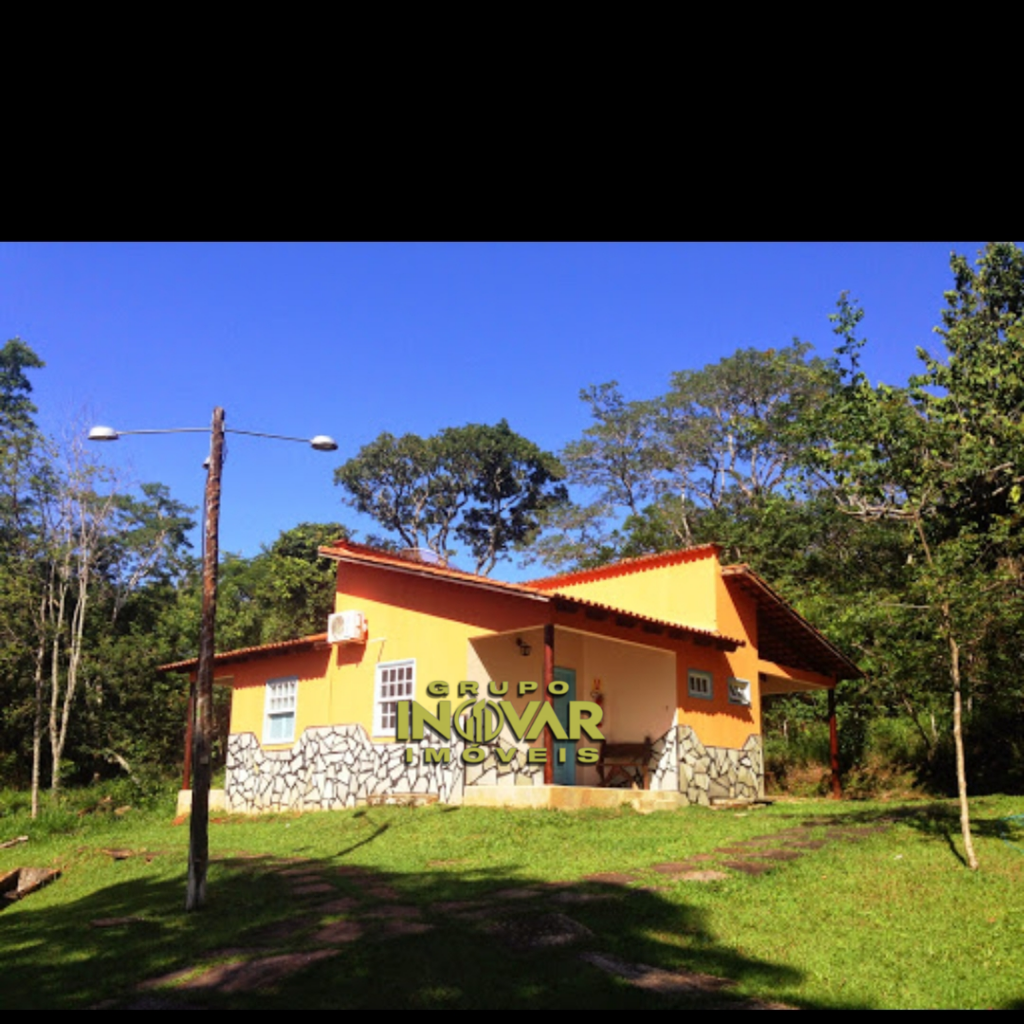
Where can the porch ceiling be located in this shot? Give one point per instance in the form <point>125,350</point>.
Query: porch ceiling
<point>786,637</point>
<point>771,685</point>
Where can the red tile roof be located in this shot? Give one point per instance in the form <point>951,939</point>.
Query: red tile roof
<point>790,634</point>
<point>244,653</point>
<point>348,551</point>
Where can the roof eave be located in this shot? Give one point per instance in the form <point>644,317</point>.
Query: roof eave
<point>745,575</point>
<point>447,575</point>
<point>305,643</point>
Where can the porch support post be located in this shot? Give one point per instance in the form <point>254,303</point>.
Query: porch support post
<point>186,778</point>
<point>833,744</point>
<point>549,675</point>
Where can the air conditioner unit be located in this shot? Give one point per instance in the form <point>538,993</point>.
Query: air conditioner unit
<point>739,692</point>
<point>346,628</point>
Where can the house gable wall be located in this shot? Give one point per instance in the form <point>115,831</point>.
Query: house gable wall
<point>426,619</point>
<point>682,592</point>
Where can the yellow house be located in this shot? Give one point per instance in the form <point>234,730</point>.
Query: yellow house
<point>662,660</point>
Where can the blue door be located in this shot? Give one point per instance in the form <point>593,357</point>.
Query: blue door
<point>565,770</point>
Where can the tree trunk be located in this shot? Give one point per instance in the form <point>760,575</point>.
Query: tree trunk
<point>57,624</point>
<point>74,658</point>
<point>37,718</point>
<point>958,740</point>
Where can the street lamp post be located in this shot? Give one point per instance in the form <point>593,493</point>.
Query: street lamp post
<point>199,846</point>
<point>198,841</point>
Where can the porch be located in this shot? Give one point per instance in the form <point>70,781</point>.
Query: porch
<point>572,798</point>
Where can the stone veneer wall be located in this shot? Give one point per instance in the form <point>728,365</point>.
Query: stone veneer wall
<point>707,773</point>
<point>665,762</point>
<point>332,767</point>
<point>681,763</point>
<point>491,772</point>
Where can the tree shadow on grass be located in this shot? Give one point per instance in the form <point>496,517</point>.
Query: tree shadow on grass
<point>937,820</point>
<point>279,934</point>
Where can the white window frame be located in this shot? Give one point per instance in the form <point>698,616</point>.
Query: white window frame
<point>393,681</point>
<point>280,706</point>
<point>739,692</point>
<point>700,684</point>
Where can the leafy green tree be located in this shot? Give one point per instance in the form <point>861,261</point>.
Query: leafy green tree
<point>285,591</point>
<point>402,484</point>
<point>83,566</point>
<point>130,716</point>
<point>668,472</point>
<point>511,482</point>
<point>16,408</point>
<point>729,428</point>
<point>944,457</point>
<point>619,463</point>
<point>99,548</point>
<point>298,585</point>
<point>483,485</point>
<point>22,464</point>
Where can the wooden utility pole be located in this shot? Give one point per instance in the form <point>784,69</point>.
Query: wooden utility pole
<point>549,675</point>
<point>199,845</point>
<point>190,717</point>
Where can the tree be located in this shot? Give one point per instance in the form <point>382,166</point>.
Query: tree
<point>23,475</point>
<point>285,591</point>
<point>16,408</point>
<point>945,457</point>
<point>484,485</point>
<point>131,715</point>
<point>511,483</point>
<point>82,565</point>
<point>400,483</point>
<point>729,427</point>
<point>98,548</point>
<point>723,439</point>
<point>297,586</point>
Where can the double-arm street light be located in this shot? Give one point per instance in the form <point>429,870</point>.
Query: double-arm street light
<point>198,850</point>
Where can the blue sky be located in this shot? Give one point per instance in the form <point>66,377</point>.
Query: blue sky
<point>354,339</point>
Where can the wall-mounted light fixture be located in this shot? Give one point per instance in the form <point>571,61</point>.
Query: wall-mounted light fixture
<point>524,647</point>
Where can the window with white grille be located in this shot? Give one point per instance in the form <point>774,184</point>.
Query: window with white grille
<point>396,681</point>
<point>279,711</point>
<point>700,684</point>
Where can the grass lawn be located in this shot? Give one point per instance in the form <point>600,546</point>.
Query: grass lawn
<point>836,905</point>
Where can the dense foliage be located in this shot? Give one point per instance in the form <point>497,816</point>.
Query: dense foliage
<point>98,586</point>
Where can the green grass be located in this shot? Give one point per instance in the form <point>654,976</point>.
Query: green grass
<point>891,921</point>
